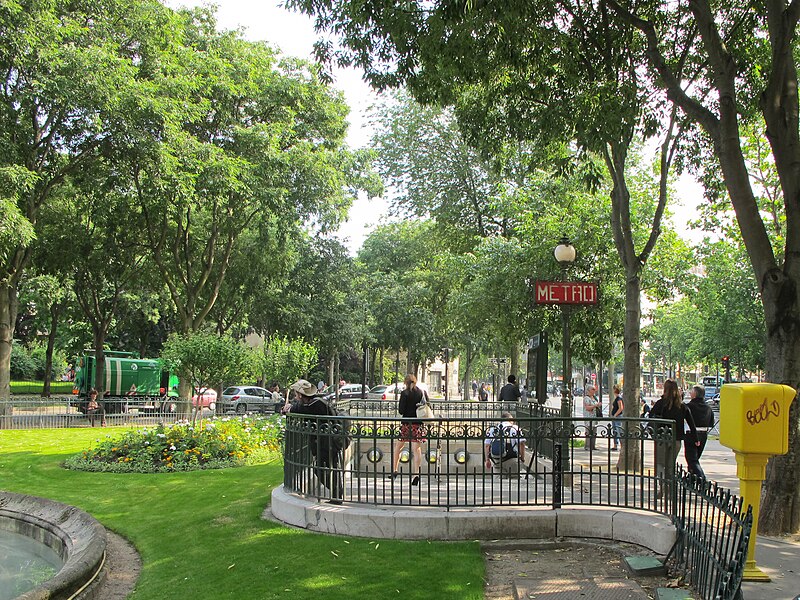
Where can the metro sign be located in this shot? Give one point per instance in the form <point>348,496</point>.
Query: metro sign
<point>566,292</point>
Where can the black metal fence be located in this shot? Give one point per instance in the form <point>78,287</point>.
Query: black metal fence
<point>713,534</point>
<point>447,465</point>
<point>365,458</point>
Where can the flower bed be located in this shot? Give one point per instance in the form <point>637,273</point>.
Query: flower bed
<point>210,444</point>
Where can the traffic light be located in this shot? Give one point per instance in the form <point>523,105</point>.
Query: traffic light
<point>726,362</point>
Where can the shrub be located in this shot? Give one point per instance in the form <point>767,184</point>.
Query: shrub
<point>23,367</point>
<point>211,444</point>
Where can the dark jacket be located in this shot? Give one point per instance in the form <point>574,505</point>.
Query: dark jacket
<point>701,413</point>
<point>407,404</point>
<point>314,406</point>
<point>510,393</point>
<point>679,414</point>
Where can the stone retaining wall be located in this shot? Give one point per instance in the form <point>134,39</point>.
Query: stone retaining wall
<point>72,533</point>
<point>649,530</point>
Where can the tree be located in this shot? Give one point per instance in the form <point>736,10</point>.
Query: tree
<point>50,297</point>
<point>207,360</point>
<point>65,83</point>
<point>536,72</point>
<point>727,297</point>
<point>259,145</point>
<point>744,70</point>
<point>285,360</point>
<point>434,173</point>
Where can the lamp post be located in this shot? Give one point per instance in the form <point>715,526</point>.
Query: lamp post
<point>565,255</point>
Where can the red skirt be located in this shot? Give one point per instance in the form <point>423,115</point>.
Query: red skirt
<point>413,432</point>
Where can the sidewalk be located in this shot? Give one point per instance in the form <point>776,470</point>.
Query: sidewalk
<point>779,558</point>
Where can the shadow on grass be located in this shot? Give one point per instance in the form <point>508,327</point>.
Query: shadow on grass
<point>200,534</point>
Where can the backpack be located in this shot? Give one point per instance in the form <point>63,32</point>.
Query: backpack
<point>500,450</point>
<point>340,428</point>
<point>501,447</point>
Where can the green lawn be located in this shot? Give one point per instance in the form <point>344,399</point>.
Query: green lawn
<point>34,388</point>
<point>200,534</point>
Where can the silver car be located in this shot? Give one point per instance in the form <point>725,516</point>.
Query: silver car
<point>242,399</point>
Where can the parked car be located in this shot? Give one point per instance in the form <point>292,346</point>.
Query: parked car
<point>348,390</point>
<point>246,398</point>
<point>206,399</point>
<point>387,392</point>
<point>384,392</point>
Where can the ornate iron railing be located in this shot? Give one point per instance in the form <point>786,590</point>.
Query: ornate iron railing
<point>451,469</point>
<point>350,459</point>
<point>713,534</point>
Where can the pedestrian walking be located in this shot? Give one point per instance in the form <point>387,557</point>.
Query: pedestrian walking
<point>617,406</point>
<point>670,406</point>
<point>483,393</point>
<point>590,406</point>
<point>412,430</point>
<point>327,456</point>
<point>510,391</point>
<point>704,421</point>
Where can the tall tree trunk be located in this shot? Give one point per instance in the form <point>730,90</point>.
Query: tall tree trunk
<point>780,509</point>
<point>55,311</point>
<point>630,458</point>
<point>514,368</point>
<point>8,317</point>
<point>98,340</point>
<point>466,393</point>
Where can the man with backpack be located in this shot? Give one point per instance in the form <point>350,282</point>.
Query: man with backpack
<point>504,446</point>
<point>328,444</point>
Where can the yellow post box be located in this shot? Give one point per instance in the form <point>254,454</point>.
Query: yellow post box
<point>754,423</point>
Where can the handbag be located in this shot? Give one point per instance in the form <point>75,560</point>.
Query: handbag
<point>424,410</point>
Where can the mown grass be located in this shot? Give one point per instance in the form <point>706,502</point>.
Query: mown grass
<point>200,534</point>
<point>36,387</point>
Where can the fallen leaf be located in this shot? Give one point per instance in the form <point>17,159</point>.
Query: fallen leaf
<point>231,566</point>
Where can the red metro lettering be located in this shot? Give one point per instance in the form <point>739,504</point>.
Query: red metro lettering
<point>763,412</point>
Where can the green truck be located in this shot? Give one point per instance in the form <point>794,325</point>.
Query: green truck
<point>129,382</point>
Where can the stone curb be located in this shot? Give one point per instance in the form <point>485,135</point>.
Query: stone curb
<point>646,529</point>
<point>72,533</point>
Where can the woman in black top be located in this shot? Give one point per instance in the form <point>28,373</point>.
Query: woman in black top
<point>410,431</point>
<point>617,406</point>
<point>670,406</point>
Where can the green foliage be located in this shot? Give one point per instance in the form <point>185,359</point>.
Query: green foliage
<point>211,444</point>
<point>285,360</point>
<point>28,362</point>
<point>30,388</point>
<point>218,530</point>
<point>209,360</point>
<point>16,230</point>
<point>728,298</point>
<point>23,365</point>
